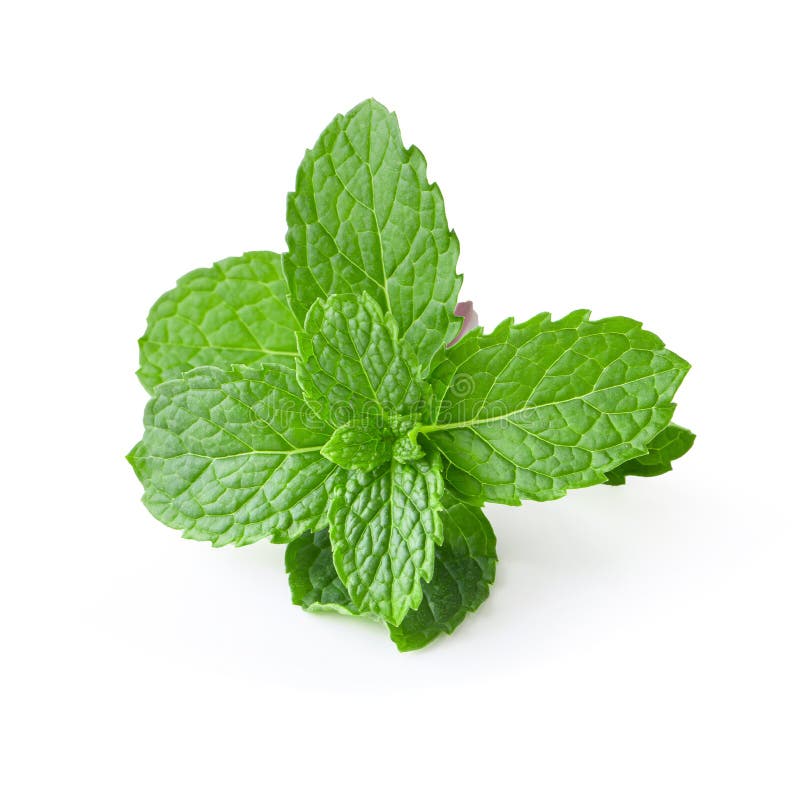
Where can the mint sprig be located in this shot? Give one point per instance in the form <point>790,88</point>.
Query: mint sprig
<point>310,398</point>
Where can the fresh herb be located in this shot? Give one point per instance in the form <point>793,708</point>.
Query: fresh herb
<point>311,398</point>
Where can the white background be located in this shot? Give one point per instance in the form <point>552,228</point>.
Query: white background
<point>634,158</point>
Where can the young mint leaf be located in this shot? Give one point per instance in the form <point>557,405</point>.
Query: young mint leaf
<point>668,446</point>
<point>463,571</point>
<point>232,456</point>
<point>532,410</point>
<point>353,366</point>
<point>364,218</point>
<point>360,444</point>
<point>406,447</point>
<point>236,312</point>
<point>383,528</point>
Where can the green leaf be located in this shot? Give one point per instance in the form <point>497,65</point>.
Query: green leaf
<point>236,312</point>
<point>668,446</point>
<point>384,526</point>
<point>312,576</point>
<point>463,572</point>
<point>406,447</point>
<point>234,456</point>
<point>360,444</point>
<point>532,410</point>
<point>352,365</point>
<point>364,218</point>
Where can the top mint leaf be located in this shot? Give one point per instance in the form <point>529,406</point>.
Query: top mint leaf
<point>532,410</point>
<point>364,218</point>
<point>236,312</point>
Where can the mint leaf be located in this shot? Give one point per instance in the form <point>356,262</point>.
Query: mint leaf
<point>312,577</point>
<point>383,528</point>
<point>232,456</point>
<point>364,218</point>
<point>236,312</point>
<point>532,410</point>
<point>464,571</point>
<point>361,444</point>
<point>353,366</point>
<point>406,447</point>
<point>668,446</point>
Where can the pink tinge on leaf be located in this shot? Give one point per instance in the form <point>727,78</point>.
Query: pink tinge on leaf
<point>470,316</point>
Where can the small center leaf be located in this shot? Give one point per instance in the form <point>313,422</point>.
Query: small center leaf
<point>362,444</point>
<point>369,442</point>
